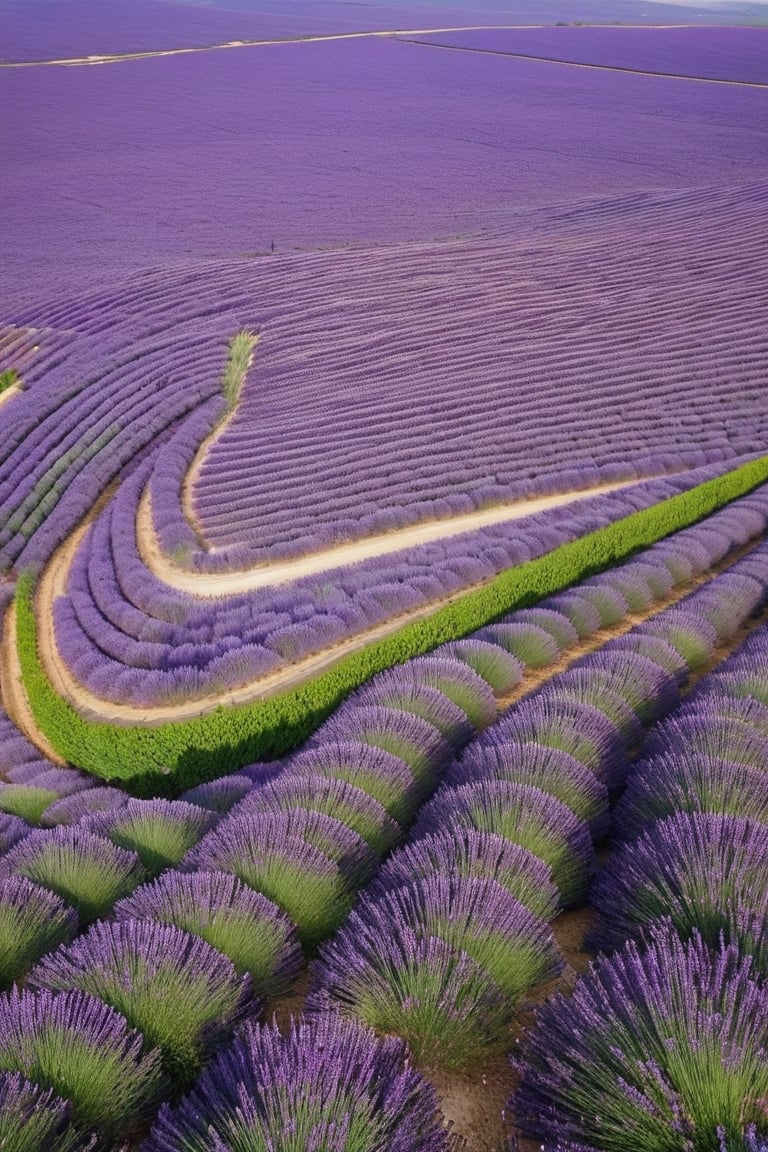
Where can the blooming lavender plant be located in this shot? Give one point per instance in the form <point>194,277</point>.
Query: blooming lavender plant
<point>444,1005</point>
<point>653,648</point>
<point>382,775</point>
<point>184,996</point>
<point>283,856</point>
<point>87,871</point>
<point>590,684</point>
<point>242,924</point>
<point>523,815</point>
<point>576,608</point>
<point>658,1049</point>
<point>499,668</point>
<point>85,1052</point>
<point>160,832</point>
<point>532,645</point>
<point>404,692</point>
<point>692,636</point>
<point>408,737</point>
<point>337,798</point>
<point>578,729</point>
<point>556,623</point>
<point>221,795</point>
<point>32,921</point>
<point>79,806</point>
<point>34,1119</point>
<point>705,872</point>
<point>704,734</point>
<point>665,784</point>
<point>649,691</point>
<point>542,767</point>
<point>328,1084</point>
<point>12,830</point>
<point>465,852</point>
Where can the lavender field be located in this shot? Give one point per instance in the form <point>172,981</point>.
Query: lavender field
<point>383,577</point>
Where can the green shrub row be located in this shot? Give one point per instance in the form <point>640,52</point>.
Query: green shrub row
<point>167,758</point>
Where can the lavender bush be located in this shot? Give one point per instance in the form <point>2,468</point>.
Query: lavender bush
<point>660,1050</point>
<point>182,995</point>
<point>327,1084</point>
<point>241,924</point>
<point>85,1052</point>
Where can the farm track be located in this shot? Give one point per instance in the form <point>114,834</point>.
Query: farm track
<point>9,393</point>
<point>474,1103</point>
<point>404,35</point>
<point>217,584</point>
<point>92,707</point>
<point>53,584</point>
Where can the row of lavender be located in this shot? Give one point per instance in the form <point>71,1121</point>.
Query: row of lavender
<point>185,959</point>
<point>128,637</point>
<point>119,366</point>
<point>666,1038</point>
<point>452,932</point>
<point>308,840</point>
<point>533,638</point>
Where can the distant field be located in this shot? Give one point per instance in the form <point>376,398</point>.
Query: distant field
<point>718,53</point>
<point>328,144</point>
<point>44,29</point>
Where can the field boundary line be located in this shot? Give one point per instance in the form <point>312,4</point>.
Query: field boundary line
<point>405,39</point>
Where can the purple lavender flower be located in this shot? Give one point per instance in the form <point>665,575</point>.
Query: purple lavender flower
<point>408,737</point>
<point>707,735</point>
<point>242,924</point>
<point>221,795</point>
<point>556,623</point>
<point>337,798</point>
<point>406,693</point>
<point>25,800</point>
<point>692,636</point>
<point>525,816</point>
<point>32,921</point>
<point>178,991</point>
<point>708,699</point>
<point>653,648</point>
<point>648,690</point>
<point>85,1052</point>
<point>326,1085</point>
<point>463,687</point>
<point>12,830</point>
<point>589,684</point>
<point>542,767</point>
<point>578,729</point>
<point>611,606</point>
<point>703,871</point>
<point>499,668</point>
<point>656,1050</point>
<point>87,871</point>
<point>34,1119</point>
<point>160,832</point>
<point>287,857</point>
<point>532,645</point>
<point>71,809</point>
<point>578,609</point>
<point>374,770</point>
<point>669,783</point>
<point>439,1000</point>
<point>465,852</point>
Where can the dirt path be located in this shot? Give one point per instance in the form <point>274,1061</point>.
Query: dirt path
<point>216,584</point>
<point>118,57</point>
<point>9,393</point>
<point>13,694</point>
